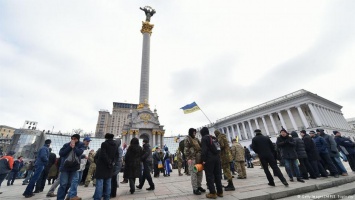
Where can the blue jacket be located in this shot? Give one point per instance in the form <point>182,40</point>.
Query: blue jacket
<point>321,144</point>
<point>42,156</point>
<point>345,142</point>
<point>64,153</point>
<point>17,166</point>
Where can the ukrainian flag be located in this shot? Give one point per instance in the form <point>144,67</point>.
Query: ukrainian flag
<point>189,108</point>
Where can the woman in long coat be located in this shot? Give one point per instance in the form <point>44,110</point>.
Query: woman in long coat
<point>133,163</point>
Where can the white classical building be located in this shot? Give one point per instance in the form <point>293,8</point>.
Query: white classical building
<point>300,110</point>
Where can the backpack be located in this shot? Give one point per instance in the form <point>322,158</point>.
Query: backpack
<point>215,146</point>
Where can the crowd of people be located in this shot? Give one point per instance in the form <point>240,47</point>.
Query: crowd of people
<point>312,155</point>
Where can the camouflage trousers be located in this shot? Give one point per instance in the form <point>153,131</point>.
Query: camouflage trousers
<point>240,165</point>
<point>91,172</point>
<point>179,167</point>
<point>196,177</point>
<point>227,170</point>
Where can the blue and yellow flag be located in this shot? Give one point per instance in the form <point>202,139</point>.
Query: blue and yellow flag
<point>189,108</point>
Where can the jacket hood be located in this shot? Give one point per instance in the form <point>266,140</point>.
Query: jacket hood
<point>204,131</point>
<point>191,132</point>
<point>294,134</point>
<point>216,133</point>
<point>111,142</point>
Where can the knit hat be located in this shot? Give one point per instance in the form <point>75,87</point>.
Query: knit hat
<point>109,136</point>
<point>191,131</point>
<point>283,130</point>
<point>335,132</point>
<point>48,141</point>
<point>77,136</point>
<point>303,131</point>
<point>319,130</point>
<point>312,132</point>
<point>204,131</point>
<point>294,134</point>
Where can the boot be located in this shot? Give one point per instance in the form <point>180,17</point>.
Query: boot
<point>211,196</point>
<point>251,165</point>
<point>230,186</point>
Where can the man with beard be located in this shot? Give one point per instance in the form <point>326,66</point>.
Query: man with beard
<point>192,150</point>
<point>147,165</point>
<point>263,146</point>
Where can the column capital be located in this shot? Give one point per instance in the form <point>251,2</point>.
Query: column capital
<point>147,27</point>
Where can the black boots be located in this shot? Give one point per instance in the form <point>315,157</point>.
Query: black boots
<point>201,189</point>
<point>230,186</point>
<point>197,192</point>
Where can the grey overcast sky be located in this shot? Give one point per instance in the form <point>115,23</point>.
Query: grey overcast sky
<point>62,61</point>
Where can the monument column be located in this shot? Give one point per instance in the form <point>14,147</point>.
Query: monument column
<point>239,132</point>
<point>314,114</point>
<point>273,123</point>
<point>245,131</point>
<point>251,129</point>
<point>153,143</point>
<point>292,119</point>
<point>305,123</point>
<point>265,125</point>
<point>282,120</point>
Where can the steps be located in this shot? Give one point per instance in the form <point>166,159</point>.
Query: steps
<point>343,186</point>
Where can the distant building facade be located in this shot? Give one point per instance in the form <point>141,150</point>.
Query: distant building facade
<point>300,110</point>
<point>30,125</point>
<point>351,122</point>
<point>6,134</point>
<point>113,123</point>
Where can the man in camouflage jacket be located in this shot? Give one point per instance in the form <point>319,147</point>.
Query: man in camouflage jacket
<point>192,151</point>
<point>239,159</point>
<point>226,158</point>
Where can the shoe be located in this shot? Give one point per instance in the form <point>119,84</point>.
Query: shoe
<point>197,192</point>
<point>300,180</point>
<point>150,188</point>
<point>201,189</point>
<point>336,176</point>
<point>211,196</point>
<point>313,177</point>
<point>230,186</point>
<point>344,174</point>
<point>51,195</point>
<point>180,174</point>
<point>132,191</point>
<point>240,177</point>
<point>49,183</point>
<point>28,195</point>
<point>220,194</point>
<point>285,183</point>
<point>75,198</point>
<point>137,186</point>
<point>24,183</point>
<point>36,191</point>
<point>124,181</point>
<point>271,184</point>
<point>291,179</point>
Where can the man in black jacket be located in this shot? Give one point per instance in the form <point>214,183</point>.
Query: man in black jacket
<point>147,164</point>
<point>212,165</point>
<point>263,146</point>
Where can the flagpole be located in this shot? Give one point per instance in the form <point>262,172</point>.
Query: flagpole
<point>205,115</point>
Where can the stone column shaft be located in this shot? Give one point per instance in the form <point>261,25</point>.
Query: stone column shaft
<point>265,125</point>
<point>239,132</point>
<point>292,119</point>
<point>273,123</point>
<point>282,120</point>
<point>304,120</point>
<point>228,135</point>
<point>251,129</point>
<point>315,115</point>
<point>245,131</point>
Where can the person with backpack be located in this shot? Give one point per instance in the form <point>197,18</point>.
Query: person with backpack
<point>6,165</point>
<point>167,161</point>
<point>211,159</point>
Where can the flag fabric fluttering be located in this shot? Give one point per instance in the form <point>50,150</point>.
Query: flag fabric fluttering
<point>189,108</point>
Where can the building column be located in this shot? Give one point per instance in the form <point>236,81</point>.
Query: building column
<point>347,127</point>
<point>342,121</point>
<point>233,131</point>
<point>265,125</point>
<point>314,114</point>
<point>304,120</point>
<point>130,137</point>
<point>256,123</point>
<point>228,135</point>
<point>239,132</point>
<point>273,123</point>
<point>251,129</point>
<point>245,131</point>
<point>153,139</point>
<point>334,114</point>
<point>292,119</point>
<point>331,120</point>
<point>323,114</point>
<point>282,120</point>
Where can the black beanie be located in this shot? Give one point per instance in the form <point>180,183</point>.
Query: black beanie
<point>257,131</point>
<point>48,141</point>
<point>77,136</point>
<point>191,130</point>
<point>204,131</point>
<point>335,132</point>
<point>109,136</point>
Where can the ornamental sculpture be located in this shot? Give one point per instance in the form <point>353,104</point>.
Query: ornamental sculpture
<point>149,12</point>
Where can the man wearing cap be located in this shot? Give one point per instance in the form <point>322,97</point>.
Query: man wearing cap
<point>41,162</point>
<point>323,151</point>
<point>347,147</point>
<point>6,165</point>
<point>263,146</point>
<point>84,159</point>
<point>69,175</point>
<point>146,159</point>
